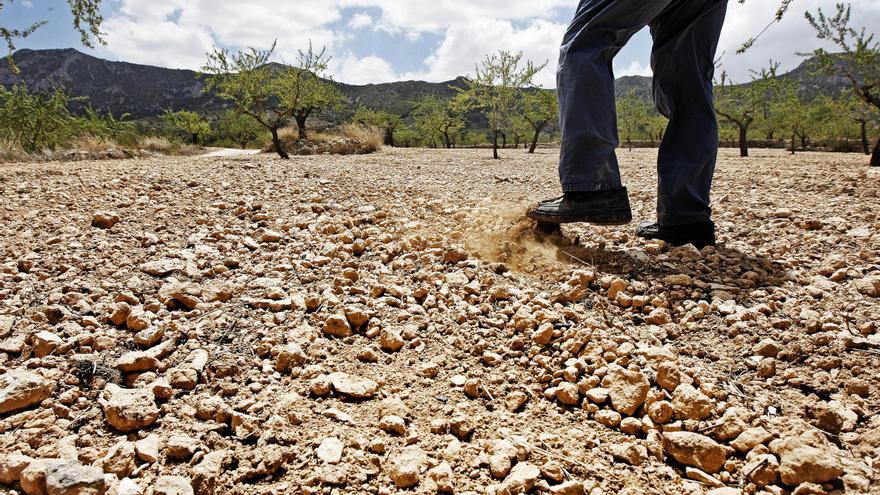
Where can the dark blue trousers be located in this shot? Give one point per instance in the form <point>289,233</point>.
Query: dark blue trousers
<point>685,34</point>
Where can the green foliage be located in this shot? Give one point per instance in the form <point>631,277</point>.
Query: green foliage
<point>239,129</point>
<point>496,89</point>
<point>439,121</point>
<point>539,108</point>
<point>740,105</point>
<point>632,116</point>
<point>34,122</point>
<point>379,119</point>
<point>272,94</point>
<point>190,123</point>
<point>87,21</point>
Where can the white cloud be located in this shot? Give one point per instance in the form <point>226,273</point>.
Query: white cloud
<point>354,70</point>
<point>360,21</point>
<point>177,33</point>
<point>783,40</point>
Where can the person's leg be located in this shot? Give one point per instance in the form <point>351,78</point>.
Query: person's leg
<point>683,60</point>
<point>585,88</point>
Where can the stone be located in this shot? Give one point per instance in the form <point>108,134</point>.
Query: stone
<point>181,447</point>
<point>104,220</point>
<point>45,343</point>
<point>405,467</point>
<point>869,286</point>
<point>695,450</point>
<point>734,421</point>
<point>128,486</point>
<point>136,362</point>
<point>172,485</point>
<point>767,348</point>
<point>394,425</point>
<point>808,458</point>
<point>568,394</point>
<point>11,466</point>
<point>690,403</point>
<point>33,477</point>
<point>390,340</point>
<point>543,335</point>
<point>702,477</point>
<point>120,313</point>
<point>182,378</point>
<point>330,450</point>
<point>661,412</point>
<point>515,400</point>
<point>608,417</point>
<point>163,267</point>
<point>629,452</point>
<point>337,326</point>
<point>206,472</point>
<point>659,316</point>
<point>441,478</point>
<point>573,487</point>
<point>72,478</point>
<point>628,390</point>
<point>20,389</point>
<point>502,453</point>
<point>128,409</point>
<point>762,470</point>
<point>353,386</point>
<point>750,439</point>
<point>288,357</point>
<point>522,479</point>
<point>119,460</point>
<point>147,448</point>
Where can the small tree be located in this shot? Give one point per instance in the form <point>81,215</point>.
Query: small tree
<point>864,116</point>
<point>496,87</point>
<point>239,128</point>
<point>267,93</point>
<point>539,108</point>
<point>655,127</point>
<point>437,118</point>
<point>190,123</point>
<point>859,61</point>
<point>740,104</point>
<point>87,21</point>
<point>632,116</point>
<point>33,122</point>
<point>380,119</point>
<point>312,88</point>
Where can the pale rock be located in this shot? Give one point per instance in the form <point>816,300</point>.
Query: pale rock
<point>567,393</point>
<point>522,479</point>
<point>353,386</point>
<point>181,447</point>
<point>734,421</point>
<point>572,487</point>
<point>128,486</point>
<point>163,267</point>
<point>104,220</point>
<point>405,466</point>
<point>390,340</point>
<point>441,478</point>
<point>33,477</point>
<point>20,389</point>
<point>808,458</point>
<point>147,448</point>
<point>136,362</point>
<point>72,478</point>
<point>119,460</point>
<point>869,286</point>
<point>45,343</point>
<point>394,425</point>
<point>172,485</point>
<point>659,316</point>
<point>762,470</point>
<point>11,466</point>
<point>630,452</point>
<point>690,403</point>
<point>206,472</point>
<point>502,453</point>
<point>337,326</point>
<point>608,417</point>
<point>288,357</point>
<point>627,389</point>
<point>750,439</point>
<point>330,450</point>
<point>702,477</point>
<point>661,412</point>
<point>693,449</point>
<point>128,409</point>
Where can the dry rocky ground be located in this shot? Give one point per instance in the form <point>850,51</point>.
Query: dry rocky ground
<point>387,324</point>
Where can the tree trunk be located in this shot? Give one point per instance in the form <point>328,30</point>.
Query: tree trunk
<point>195,139</point>
<point>865,146</point>
<point>535,139</point>
<point>279,147</point>
<point>301,126</point>
<point>875,157</point>
<point>389,136</point>
<point>495,144</point>
<point>503,140</point>
<point>243,144</point>
<point>743,141</point>
<point>793,141</point>
<point>804,142</point>
<point>447,140</point>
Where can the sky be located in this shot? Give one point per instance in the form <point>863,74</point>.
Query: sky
<point>373,41</point>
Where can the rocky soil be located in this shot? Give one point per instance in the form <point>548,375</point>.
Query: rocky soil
<point>389,324</point>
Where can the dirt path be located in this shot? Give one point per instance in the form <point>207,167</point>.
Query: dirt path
<point>387,323</point>
<point>229,153</point>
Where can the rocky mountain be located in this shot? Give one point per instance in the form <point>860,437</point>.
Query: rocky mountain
<point>145,91</point>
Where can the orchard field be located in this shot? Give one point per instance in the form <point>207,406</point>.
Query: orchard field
<point>388,323</point>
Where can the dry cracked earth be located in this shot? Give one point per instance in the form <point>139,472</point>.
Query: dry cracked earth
<point>389,324</point>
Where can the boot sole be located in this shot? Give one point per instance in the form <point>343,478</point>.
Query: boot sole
<point>594,219</point>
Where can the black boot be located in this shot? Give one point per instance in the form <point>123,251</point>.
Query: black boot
<point>609,207</point>
<point>699,234</point>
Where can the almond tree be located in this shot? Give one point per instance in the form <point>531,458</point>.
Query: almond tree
<point>35,121</point>
<point>858,62</point>
<point>496,87</point>
<point>188,122</point>
<point>436,117</point>
<point>87,21</point>
<point>631,116</point>
<point>740,104</point>
<point>540,107</point>
<point>380,119</point>
<point>272,94</point>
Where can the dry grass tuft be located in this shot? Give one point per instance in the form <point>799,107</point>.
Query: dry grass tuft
<point>350,139</point>
<point>93,144</point>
